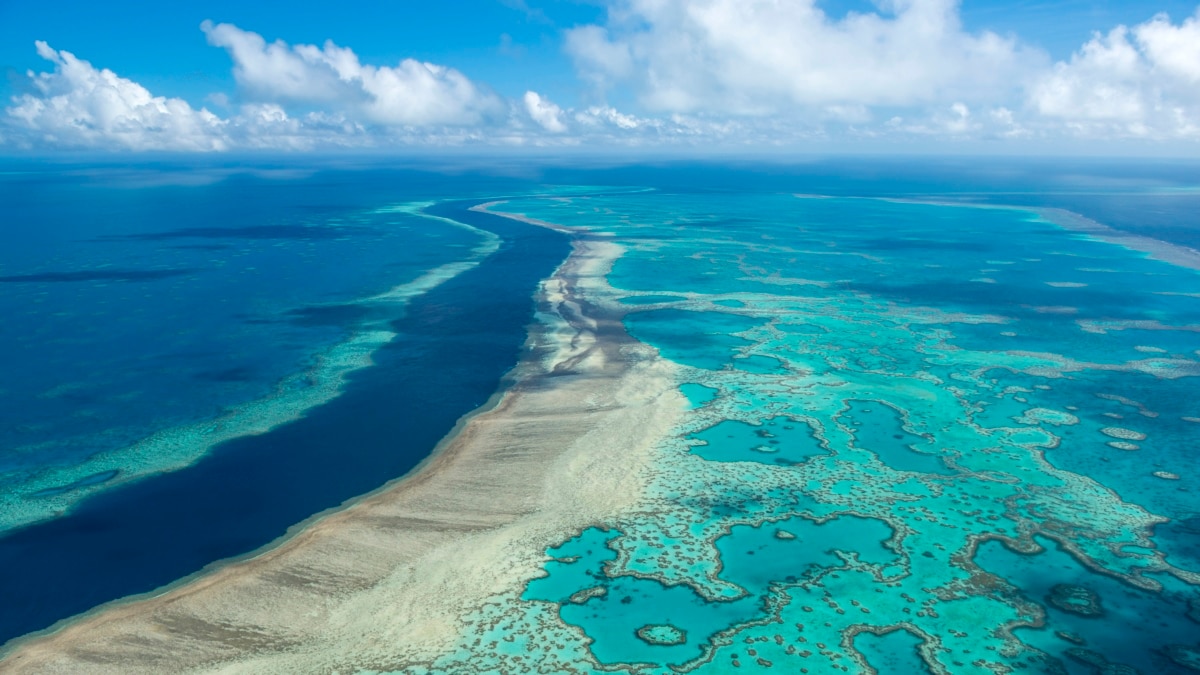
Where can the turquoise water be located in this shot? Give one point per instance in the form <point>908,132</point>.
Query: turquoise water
<point>778,440</point>
<point>907,424</point>
<point>918,437</point>
<point>894,652</point>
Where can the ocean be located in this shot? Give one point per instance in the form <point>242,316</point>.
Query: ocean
<point>121,327</point>
<point>934,425</point>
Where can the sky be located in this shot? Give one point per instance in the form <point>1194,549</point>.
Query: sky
<point>646,76</point>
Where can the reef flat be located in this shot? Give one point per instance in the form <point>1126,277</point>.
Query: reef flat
<point>904,452</point>
<point>762,432</point>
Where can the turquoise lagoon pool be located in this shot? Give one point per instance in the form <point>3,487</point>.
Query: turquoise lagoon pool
<point>921,438</point>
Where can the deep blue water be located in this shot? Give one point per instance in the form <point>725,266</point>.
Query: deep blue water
<point>454,346</point>
<point>1154,198</point>
<point>131,305</point>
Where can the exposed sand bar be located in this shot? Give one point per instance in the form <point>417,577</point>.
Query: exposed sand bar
<point>1175,254</point>
<point>1157,249</point>
<point>382,584</point>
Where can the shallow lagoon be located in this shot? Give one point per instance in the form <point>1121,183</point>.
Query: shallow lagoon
<point>990,396</point>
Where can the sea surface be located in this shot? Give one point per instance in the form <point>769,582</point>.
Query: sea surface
<point>190,370</point>
<point>931,428</point>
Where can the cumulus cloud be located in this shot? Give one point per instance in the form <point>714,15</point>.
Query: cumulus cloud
<point>79,106</point>
<point>704,73</point>
<point>956,122</point>
<point>603,115</point>
<point>1102,81</point>
<point>766,57</point>
<point>544,112</point>
<point>1139,82</point>
<point>413,93</point>
<point>296,98</point>
<point>910,62</point>
<point>1173,50</point>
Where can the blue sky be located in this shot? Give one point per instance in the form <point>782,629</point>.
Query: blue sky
<point>750,73</point>
<point>160,43</point>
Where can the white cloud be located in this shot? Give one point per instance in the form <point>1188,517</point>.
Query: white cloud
<point>80,106</point>
<point>1173,50</point>
<point>608,116</point>
<point>269,126</point>
<point>544,112</point>
<point>1128,83</point>
<point>959,121</point>
<point>77,106</point>
<point>1101,82</point>
<point>412,93</point>
<point>601,58</point>
<point>700,73</point>
<point>300,98</point>
<point>767,57</point>
<point>910,62</point>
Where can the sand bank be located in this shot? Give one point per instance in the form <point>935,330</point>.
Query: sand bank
<point>1157,249</point>
<point>382,584</point>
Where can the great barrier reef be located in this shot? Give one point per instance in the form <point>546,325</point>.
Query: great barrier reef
<point>850,416</point>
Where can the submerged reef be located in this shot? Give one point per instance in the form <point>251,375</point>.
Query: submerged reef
<point>1075,599</point>
<point>1100,665</point>
<point>866,424</point>
<point>816,436</point>
<point>662,634</point>
<point>1185,656</point>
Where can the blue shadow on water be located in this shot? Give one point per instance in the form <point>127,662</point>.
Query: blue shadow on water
<point>455,345</point>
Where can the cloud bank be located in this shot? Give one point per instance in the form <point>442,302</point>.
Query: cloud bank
<point>412,93</point>
<point>1140,82</point>
<point>763,57</point>
<point>702,73</point>
<point>548,115</point>
<point>908,68</point>
<point>78,105</point>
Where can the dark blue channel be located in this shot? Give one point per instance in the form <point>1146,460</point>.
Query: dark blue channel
<point>456,342</point>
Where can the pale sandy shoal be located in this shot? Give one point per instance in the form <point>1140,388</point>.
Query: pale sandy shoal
<point>1157,249</point>
<point>487,208</point>
<point>1163,251</point>
<point>384,583</point>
